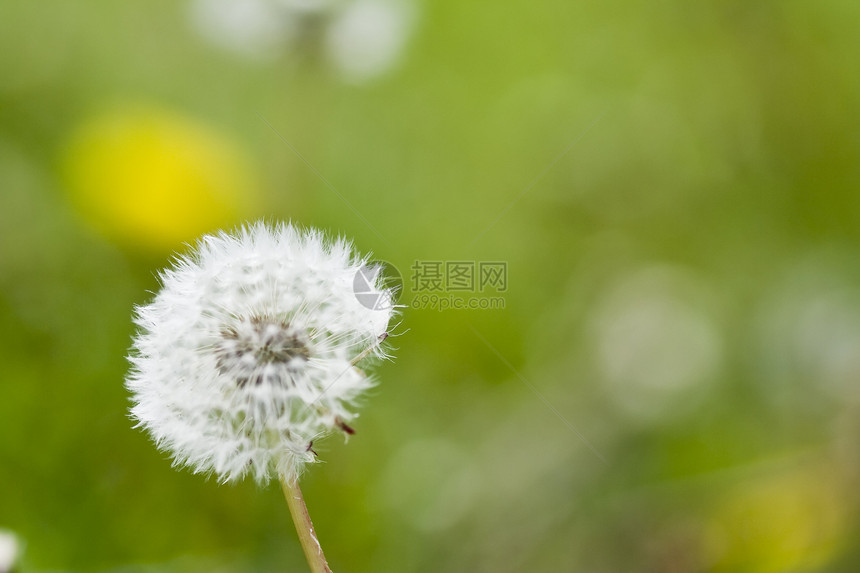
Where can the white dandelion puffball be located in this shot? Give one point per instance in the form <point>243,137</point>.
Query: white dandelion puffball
<point>247,353</point>
<point>10,550</point>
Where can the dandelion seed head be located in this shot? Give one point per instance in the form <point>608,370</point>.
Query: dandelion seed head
<point>10,550</point>
<point>244,357</point>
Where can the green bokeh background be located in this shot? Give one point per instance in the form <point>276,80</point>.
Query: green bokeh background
<point>675,187</point>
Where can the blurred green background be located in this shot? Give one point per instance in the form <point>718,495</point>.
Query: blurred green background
<point>673,384</point>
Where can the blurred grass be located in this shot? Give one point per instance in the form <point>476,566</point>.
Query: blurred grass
<point>726,150</point>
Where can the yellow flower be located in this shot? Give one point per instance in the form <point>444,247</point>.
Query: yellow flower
<point>792,520</point>
<point>153,179</point>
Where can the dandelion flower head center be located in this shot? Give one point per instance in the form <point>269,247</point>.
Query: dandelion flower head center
<point>261,349</point>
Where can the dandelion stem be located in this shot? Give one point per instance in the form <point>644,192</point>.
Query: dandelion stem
<point>304,526</point>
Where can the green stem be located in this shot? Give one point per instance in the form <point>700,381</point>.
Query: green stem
<point>304,526</point>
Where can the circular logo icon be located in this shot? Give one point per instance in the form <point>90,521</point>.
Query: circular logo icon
<point>377,285</point>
